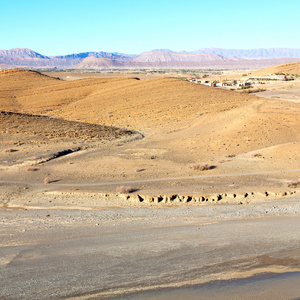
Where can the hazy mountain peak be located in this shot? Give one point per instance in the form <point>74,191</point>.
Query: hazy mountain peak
<point>161,50</point>
<point>21,52</point>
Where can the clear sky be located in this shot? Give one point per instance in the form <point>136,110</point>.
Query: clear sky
<point>57,27</point>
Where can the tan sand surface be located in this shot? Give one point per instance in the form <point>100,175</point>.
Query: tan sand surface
<point>183,126</point>
<point>286,69</point>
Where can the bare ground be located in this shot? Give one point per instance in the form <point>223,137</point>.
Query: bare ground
<point>181,232</point>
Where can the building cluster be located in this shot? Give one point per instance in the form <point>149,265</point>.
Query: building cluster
<point>222,83</point>
<point>241,83</point>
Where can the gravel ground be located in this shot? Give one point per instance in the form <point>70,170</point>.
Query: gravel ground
<point>63,252</point>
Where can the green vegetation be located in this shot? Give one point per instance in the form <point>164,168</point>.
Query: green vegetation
<point>179,77</point>
<point>245,87</point>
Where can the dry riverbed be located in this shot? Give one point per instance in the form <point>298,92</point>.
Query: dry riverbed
<point>106,251</point>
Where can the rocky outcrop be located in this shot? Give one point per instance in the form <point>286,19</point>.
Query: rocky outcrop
<point>201,199</point>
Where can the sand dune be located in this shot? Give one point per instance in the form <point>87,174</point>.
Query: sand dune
<point>98,62</point>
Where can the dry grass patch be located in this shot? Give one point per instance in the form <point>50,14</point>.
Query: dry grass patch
<point>294,184</point>
<point>124,189</point>
<point>222,161</point>
<point>47,180</point>
<point>201,167</point>
<point>253,91</point>
<point>31,169</point>
<point>11,150</point>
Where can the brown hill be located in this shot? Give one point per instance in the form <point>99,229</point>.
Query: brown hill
<point>286,69</point>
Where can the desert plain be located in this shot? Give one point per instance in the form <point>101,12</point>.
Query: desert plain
<point>115,185</point>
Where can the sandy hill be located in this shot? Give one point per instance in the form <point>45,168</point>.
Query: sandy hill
<point>20,80</point>
<point>183,123</point>
<point>95,63</point>
<point>287,69</point>
<point>129,102</point>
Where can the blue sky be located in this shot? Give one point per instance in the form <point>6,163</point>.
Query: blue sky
<point>60,27</point>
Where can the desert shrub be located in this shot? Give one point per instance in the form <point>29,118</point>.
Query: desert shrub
<point>223,161</point>
<point>245,87</point>
<point>123,130</point>
<point>47,180</point>
<point>199,167</point>
<point>179,77</point>
<point>254,91</point>
<point>31,169</point>
<point>124,189</point>
<point>294,184</point>
<point>11,150</point>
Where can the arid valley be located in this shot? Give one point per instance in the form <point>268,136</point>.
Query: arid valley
<point>114,184</point>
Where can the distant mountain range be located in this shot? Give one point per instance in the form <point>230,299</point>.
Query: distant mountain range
<point>253,53</point>
<point>21,53</point>
<point>159,58</point>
